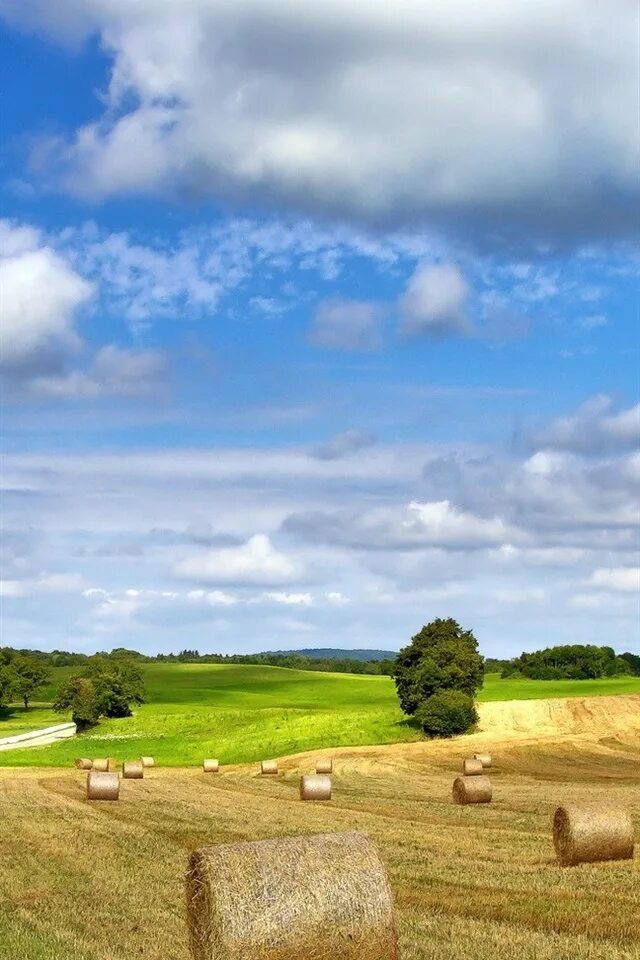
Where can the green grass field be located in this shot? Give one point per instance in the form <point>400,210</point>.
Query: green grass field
<point>241,713</point>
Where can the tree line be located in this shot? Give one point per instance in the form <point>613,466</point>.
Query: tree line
<point>572,662</point>
<point>290,660</point>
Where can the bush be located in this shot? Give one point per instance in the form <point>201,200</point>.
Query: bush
<point>446,713</point>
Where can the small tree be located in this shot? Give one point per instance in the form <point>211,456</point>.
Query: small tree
<point>78,694</point>
<point>446,713</point>
<point>31,675</point>
<point>442,656</point>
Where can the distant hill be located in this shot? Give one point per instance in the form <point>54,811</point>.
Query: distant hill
<point>331,653</point>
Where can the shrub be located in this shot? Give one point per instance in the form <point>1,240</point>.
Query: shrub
<point>446,713</point>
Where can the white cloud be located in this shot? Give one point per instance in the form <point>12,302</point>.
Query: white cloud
<point>442,524</point>
<point>453,109</point>
<point>347,325</point>
<point>254,562</point>
<point>594,428</point>
<point>434,303</point>
<point>41,295</point>
<point>54,583</point>
<point>623,579</point>
<point>114,371</point>
<point>289,599</point>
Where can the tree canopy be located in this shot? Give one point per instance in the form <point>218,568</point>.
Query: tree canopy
<point>442,656</point>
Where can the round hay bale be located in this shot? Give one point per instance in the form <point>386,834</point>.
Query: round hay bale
<point>472,768</point>
<point>472,790</point>
<point>484,758</point>
<point>315,787</point>
<point>211,766</point>
<point>269,766</point>
<point>148,761</point>
<point>133,770</point>
<point>324,765</point>
<point>83,764</point>
<point>587,833</point>
<point>314,897</point>
<point>101,765</point>
<point>103,786</point>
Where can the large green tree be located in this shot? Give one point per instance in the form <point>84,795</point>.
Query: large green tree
<point>31,676</point>
<point>8,681</point>
<point>442,656</point>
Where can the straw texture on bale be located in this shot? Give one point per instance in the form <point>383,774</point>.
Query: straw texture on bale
<point>315,787</point>
<point>484,758</point>
<point>101,765</point>
<point>210,766</point>
<point>472,768</point>
<point>148,761</point>
<point>324,766</point>
<point>103,786</point>
<point>83,764</point>
<point>586,833</point>
<point>321,897</point>
<point>472,790</point>
<point>133,770</point>
<point>269,766</point>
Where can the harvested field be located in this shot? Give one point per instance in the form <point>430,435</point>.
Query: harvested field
<point>466,878</point>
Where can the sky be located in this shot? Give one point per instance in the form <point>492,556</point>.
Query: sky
<point>319,321</point>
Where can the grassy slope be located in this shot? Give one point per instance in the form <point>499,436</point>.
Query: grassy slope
<point>241,713</point>
<point>81,881</point>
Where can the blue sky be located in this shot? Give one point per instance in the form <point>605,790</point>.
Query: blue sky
<point>318,326</point>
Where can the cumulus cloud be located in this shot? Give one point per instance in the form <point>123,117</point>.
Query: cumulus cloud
<point>255,562</point>
<point>419,525</point>
<point>347,325</point>
<point>434,303</point>
<point>343,445</point>
<point>595,428</point>
<point>41,295</point>
<point>42,298</point>
<point>473,113</point>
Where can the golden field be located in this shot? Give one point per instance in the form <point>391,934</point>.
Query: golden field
<point>103,881</point>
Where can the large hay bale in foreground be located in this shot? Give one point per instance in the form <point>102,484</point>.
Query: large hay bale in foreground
<point>315,787</point>
<point>83,764</point>
<point>484,758</point>
<point>324,765</point>
<point>316,898</point>
<point>472,768</point>
<point>589,832</point>
<point>101,765</point>
<point>148,761</point>
<point>211,766</point>
<point>269,766</point>
<point>103,786</point>
<point>133,770</point>
<point>472,790</point>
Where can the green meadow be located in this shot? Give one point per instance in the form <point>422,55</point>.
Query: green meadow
<point>242,713</point>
